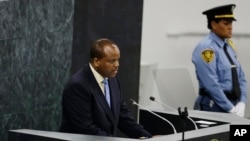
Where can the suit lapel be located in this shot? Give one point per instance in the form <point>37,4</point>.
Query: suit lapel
<point>95,88</point>
<point>115,97</point>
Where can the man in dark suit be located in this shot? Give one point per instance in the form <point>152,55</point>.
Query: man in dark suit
<point>85,108</point>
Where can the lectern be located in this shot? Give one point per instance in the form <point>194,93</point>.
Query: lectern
<point>211,126</point>
<point>208,125</point>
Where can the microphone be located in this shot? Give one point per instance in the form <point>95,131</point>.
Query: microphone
<point>154,99</point>
<point>183,116</point>
<point>134,103</point>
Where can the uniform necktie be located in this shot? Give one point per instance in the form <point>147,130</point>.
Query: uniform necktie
<point>106,90</point>
<point>236,87</point>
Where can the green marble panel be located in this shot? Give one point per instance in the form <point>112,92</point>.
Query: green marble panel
<point>23,55</point>
<point>6,63</point>
<point>35,60</point>
<point>6,93</point>
<point>5,19</point>
<point>47,119</point>
<point>23,91</point>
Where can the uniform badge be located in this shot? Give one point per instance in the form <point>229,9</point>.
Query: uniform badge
<point>208,55</point>
<point>230,42</point>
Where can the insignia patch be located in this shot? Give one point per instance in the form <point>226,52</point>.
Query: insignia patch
<point>208,55</point>
<point>230,42</point>
<point>232,9</point>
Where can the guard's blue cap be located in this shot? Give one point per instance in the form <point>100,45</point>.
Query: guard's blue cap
<point>221,12</point>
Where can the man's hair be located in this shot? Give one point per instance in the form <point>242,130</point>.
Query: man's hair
<point>97,48</point>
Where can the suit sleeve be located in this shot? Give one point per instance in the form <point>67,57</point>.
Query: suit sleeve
<point>128,124</point>
<point>77,111</point>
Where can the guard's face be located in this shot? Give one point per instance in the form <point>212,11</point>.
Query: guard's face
<point>223,28</point>
<point>109,64</point>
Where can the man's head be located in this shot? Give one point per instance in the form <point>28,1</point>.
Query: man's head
<point>104,57</point>
<point>220,20</point>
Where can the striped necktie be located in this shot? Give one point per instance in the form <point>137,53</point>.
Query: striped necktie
<point>106,90</point>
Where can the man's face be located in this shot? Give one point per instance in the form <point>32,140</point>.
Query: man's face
<point>223,28</point>
<point>109,64</point>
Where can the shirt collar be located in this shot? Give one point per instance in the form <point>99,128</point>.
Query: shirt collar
<point>97,75</point>
<point>217,39</point>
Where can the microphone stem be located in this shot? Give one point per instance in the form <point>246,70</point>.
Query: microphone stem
<point>196,128</point>
<point>166,105</point>
<point>157,116</point>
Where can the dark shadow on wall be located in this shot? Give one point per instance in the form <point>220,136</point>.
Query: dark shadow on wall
<point>118,20</point>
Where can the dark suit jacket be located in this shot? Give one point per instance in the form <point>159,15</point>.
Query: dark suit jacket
<point>86,111</point>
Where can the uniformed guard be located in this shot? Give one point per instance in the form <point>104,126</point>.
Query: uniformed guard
<point>222,83</point>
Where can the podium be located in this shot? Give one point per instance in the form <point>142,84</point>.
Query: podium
<point>210,125</point>
<point>219,130</point>
<point>38,135</point>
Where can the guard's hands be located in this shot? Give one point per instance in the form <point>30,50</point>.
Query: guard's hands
<point>240,109</point>
<point>143,138</point>
<point>233,110</point>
